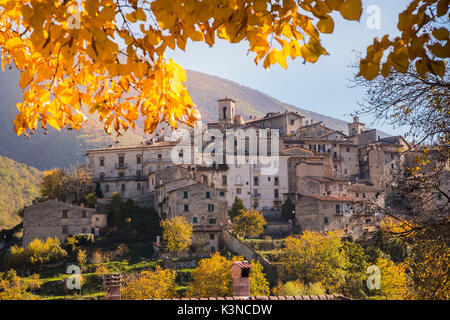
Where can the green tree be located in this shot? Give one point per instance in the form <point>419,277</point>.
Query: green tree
<point>288,209</point>
<point>177,232</point>
<point>249,223</point>
<point>236,208</point>
<point>91,200</point>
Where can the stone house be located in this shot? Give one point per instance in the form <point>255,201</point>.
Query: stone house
<point>51,218</point>
<point>203,206</point>
<point>316,212</point>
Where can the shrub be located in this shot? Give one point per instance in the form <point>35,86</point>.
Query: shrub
<point>37,253</point>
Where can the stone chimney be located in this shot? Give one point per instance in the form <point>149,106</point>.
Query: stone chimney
<point>113,283</point>
<point>240,273</point>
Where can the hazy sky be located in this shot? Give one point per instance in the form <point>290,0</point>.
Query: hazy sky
<point>321,87</point>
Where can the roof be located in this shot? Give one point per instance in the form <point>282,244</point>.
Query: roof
<point>304,297</point>
<point>331,198</point>
<point>242,264</point>
<point>328,179</point>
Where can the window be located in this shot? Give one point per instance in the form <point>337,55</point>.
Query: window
<point>210,207</point>
<point>102,175</point>
<point>357,195</point>
<point>338,208</point>
<point>392,166</point>
<point>268,179</point>
<point>255,181</point>
<point>194,220</point>
<point>205,179</point>
<point>186,207</point>
<point>224,180</point>
<point>139,173</point>
<point>65,229</point>
<point>238,191</point>
<point>121,161</point>
<point>341,188</point>
<point>102,162</point>
<point>276,182</point>
<point>238,180</point>
<point>138,159</point>
<point>364,195</point>
<point>123,187</point>
<point>212,236</point>
<point>208,195</point>
<point>275,193</point>
<point>212,221</point>
<point>84,214</point>
<point>97,219</point>
<point>121,174</point>
<point>348,149</point>
<point>335,155</point>
<point>185,195</point>
<point>138,186</point>
<point>106,187</point>
<point>159,156</point>
<point>222,193</point>
<point>325,220</point>
<point>64,213</point>
<point>292,122</point>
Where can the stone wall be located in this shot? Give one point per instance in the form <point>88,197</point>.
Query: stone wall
<point>238,247</point>
<point>46,219</point>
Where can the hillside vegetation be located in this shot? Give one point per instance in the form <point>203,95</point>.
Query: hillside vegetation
<point>19,185</point>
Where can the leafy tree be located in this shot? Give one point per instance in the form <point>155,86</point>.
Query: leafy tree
<point>297,288</point>
<point>127,221</point>
<point>236,208</point>
<point>73,185</point>
<point>12,287</point>
<point>51,184</point>
<point>249,223</point>
<point>212,278</point>
<point>81,257</point>
<point>393,280</point>
<point>314,257</point>
<point>36,254</point>
<point>259,286</point>
<point>66,59</point>
<point>158,284</point>
<point>288,209</point>
<point>177,232</point>
<point>428,269</point>
<point>424,42</point>
<point>91,200</point>
<point>354,285</point>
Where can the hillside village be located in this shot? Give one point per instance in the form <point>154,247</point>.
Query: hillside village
<point>329,177</point>
<point>324,172</point>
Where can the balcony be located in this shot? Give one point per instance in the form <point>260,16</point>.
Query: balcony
<point>256,195</point>
<point>121,165</point>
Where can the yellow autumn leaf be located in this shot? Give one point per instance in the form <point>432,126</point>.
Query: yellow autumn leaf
<point>351,9</point>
